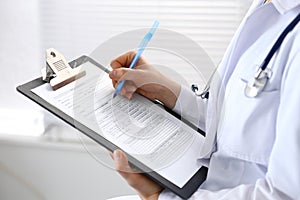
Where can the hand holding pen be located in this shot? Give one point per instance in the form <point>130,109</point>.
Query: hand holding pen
<point>144,79</point>
<point>137,56</point>
<point>150,83</point>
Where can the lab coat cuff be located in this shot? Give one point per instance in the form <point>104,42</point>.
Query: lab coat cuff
<point>167,195</point>
<point>177,107</point>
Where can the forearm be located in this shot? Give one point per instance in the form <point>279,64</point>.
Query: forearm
<point>168,93</point>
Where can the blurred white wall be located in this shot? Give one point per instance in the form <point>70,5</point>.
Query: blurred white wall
<point>20,51</point>
<point>20,60</point>
<point>55,165</point>
<point>35,169</point>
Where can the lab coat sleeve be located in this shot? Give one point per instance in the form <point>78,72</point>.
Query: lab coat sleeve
<point>282,180</point>
<point>191,107</point>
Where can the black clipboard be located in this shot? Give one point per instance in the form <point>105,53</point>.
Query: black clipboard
<point>184,192</point>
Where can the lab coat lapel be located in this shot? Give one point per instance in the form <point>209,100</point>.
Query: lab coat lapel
<point>248,35</point>
<point>219,82</point>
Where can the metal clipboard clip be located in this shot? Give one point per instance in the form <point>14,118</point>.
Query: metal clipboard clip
<point>58,72</point>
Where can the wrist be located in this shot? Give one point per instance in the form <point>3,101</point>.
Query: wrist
<point>168,93</point>
<point>152,197</point>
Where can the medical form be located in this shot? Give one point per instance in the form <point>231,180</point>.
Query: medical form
<point>157,143</point>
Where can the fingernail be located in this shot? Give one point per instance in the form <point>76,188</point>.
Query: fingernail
<point>131,89</point>
<point>114,73</point>
<point>128,95</point>
<point>112,64</point>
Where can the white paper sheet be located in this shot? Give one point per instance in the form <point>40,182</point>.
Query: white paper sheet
<point>138,126</point>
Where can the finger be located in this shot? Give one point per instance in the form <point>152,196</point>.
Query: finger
<point>142,184</point>
<point>128,95</point>
<point>114,83</point>
<point>139,76</point>
<point>123,92</point>
<point>116,74</point>
<point>130,88</point>
<point>122,166</point>
<point>140,91</point>
<point>123,60</point>
<point>121,163</point>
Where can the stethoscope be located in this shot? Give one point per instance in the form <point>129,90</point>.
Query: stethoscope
<point>262,75</point>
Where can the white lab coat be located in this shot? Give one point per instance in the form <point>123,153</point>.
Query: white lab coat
<point>256,151</point>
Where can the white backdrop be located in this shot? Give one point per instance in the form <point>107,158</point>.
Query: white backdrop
<point>77,27</point>
<point>54,167</point>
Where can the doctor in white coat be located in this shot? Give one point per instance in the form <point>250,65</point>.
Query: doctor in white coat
<point>253,145</point>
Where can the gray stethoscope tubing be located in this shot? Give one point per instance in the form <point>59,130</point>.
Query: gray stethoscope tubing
<point>258,83</point>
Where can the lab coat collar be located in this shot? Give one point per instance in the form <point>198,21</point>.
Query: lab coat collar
<point>284,6</point>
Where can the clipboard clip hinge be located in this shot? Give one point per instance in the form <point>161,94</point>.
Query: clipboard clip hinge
<point>58,72</point>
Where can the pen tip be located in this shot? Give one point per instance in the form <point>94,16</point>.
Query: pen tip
<point>114,95</point>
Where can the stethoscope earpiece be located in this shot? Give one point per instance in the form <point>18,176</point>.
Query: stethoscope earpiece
<point>204,94</point>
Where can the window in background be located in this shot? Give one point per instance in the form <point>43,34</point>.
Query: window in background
<point>78,27</point>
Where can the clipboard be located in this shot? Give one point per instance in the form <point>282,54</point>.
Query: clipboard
<point>184,191</point>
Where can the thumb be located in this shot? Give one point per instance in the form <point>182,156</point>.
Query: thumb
<point>121,162</point>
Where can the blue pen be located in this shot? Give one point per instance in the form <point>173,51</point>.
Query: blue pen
<point>140,50</point>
